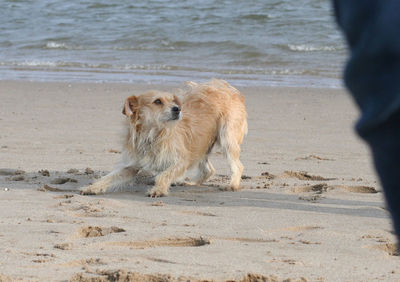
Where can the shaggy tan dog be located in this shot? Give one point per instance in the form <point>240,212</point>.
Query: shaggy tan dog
<point>166,137</point>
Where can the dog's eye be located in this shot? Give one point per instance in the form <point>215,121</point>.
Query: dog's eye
<point>157,102</point>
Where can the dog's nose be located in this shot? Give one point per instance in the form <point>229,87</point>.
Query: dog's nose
<point>176,109</point>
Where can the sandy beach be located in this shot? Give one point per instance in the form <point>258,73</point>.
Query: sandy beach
<point>311,208</point>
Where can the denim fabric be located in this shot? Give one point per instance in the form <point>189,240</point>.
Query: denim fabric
<point>372,75</point>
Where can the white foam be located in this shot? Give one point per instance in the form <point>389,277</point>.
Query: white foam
<point>310,48</point>
<point>55,45</point>
<point>36,63</point>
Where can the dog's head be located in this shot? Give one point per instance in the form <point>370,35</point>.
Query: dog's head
<point>153,108</point>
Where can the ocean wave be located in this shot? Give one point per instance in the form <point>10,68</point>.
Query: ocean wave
<point>52,45</point>
<point>149,68</point>
<point>311,48</point>
<point>144,47</point>
<point>183,45</point>
<point>29,63</point>
<point>223,44</point>
<point>52,64</point>
<point>55,45</point>
<point>278,72</point>
<point>152,67</point>
<point>87,66</point>
<point>294,72</point>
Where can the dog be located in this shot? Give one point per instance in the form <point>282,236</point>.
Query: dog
<point>167,137</point>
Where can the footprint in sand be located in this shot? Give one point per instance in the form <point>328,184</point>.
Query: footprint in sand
<point>267,175</point>
<point>97,231</point>
<point>319,188</point>
<point>66,196</point>
<point>160,260</point>
<point>251,277</point>
<point>73,171</point>
<point>83,262</point>
<point>313,157</point>
<point>323,187</point>
<point>311,199</point>
<point>44,172</point>
<point>124,275</point>
<point>46,187</point>
<point>88,171</point>
<point>302,175</point>
<point>385,244</point>
<point>300,228</point>
<point>389,248</point>
<point>17,178</point>
<point>89,210</point>
<point>164,242</point>
<point>39,257</point>
<point>63,246</point>
<point>9,171</point>
<point>63,180</point>
<point>198,213</point>
<point>357,189</point>
<point>288,261</point>
<point>248,240</point>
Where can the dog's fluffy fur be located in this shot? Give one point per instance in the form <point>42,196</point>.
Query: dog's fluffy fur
<point>166,137</point>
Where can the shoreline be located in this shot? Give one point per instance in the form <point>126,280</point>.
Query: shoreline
<point>310,204</point>
<point>120,77</point>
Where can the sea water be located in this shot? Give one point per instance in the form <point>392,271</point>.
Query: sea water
<point>253,42</point>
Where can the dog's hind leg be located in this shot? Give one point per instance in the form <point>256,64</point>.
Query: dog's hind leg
<point>204,171</point>
<point>236,165</point>
<point>230,139</point>
<point>113,181</point>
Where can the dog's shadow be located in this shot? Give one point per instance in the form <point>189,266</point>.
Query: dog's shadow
<point>210,194</point>
<point>73,180</point>
<point>179,190</point>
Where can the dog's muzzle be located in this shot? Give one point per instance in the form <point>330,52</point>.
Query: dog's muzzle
<point>176,113</point>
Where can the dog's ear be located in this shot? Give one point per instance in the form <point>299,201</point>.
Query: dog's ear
<point>131,106</point>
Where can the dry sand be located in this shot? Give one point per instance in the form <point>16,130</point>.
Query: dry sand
<point>311,208</point>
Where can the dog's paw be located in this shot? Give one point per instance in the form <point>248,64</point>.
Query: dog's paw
<point>232,188</point>
<point>91,190</point>
<point>191,183</point>
<point>184,183</point>
<point>156,192</point>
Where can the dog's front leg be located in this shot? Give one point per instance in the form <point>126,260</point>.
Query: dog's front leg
<point>112,181</point>
<point>164,179</point>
